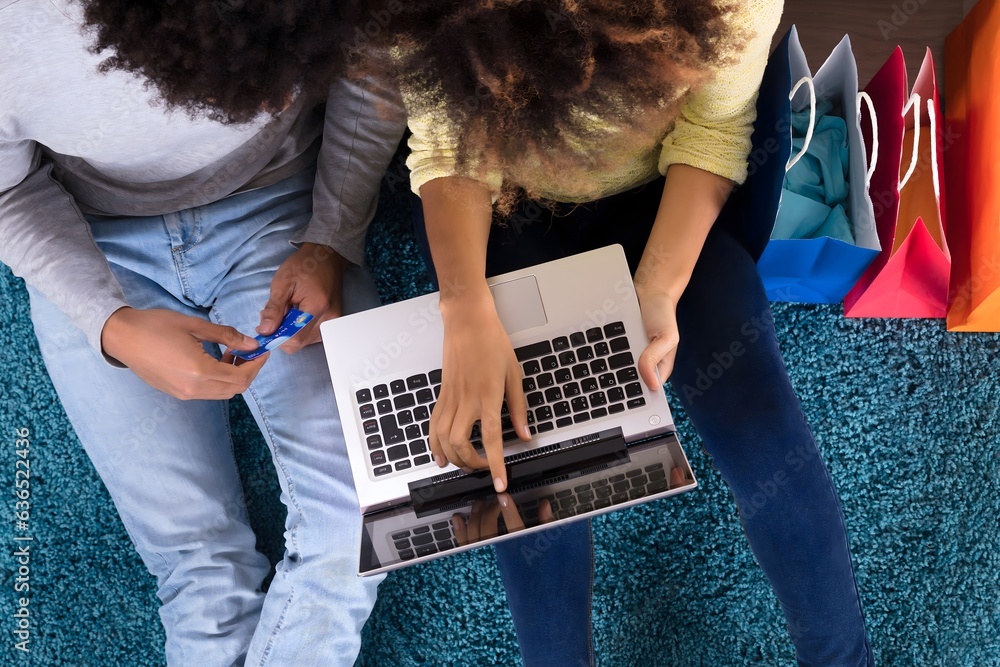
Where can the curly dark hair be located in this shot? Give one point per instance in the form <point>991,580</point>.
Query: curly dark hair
<point>228,59</point>
<point>521,81</point>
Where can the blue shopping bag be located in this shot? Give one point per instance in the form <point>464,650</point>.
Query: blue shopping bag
<point>823,267</point>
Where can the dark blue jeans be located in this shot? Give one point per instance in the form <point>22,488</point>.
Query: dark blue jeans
<point>734,386</point>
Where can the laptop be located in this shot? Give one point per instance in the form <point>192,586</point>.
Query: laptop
<point>601,440</point>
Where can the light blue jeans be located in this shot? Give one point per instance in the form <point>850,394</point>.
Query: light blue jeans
<point>169,466</point>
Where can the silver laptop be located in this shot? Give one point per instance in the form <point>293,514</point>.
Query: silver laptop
<point>601,440</point>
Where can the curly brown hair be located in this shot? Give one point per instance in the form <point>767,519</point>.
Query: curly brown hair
<point>521,82</point>
<point>228,59</point>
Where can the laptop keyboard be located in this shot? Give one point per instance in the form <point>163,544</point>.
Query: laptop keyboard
<point>424,540</point>
<point>567,380</point>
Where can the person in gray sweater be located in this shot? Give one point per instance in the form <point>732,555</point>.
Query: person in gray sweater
<point>150,239</point>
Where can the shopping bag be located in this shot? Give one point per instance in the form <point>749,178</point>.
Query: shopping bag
<point>910,276</point>
<point>972,174</point>
<point>820,269</point>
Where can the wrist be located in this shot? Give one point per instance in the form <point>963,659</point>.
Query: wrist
<point>114,331</point>
<point>463,296</point>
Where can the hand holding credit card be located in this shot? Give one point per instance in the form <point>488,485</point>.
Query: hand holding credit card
<point>294,321</point>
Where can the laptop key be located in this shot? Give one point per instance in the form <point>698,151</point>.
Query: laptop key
<point>581,371</point>
<point>535,399</point>
<point>615,408</point>
<point>567,358</point>
<point>435,376</point>
<point>581,417</point>
<point>405,464</point>
<point>579,403</point>
<point>585,353</point>
<point>614,329</point>
<point>588,385</point>
<point>599,413</point>
<point>563,375</point>
<point>570,390</point>
<point>622,487</point>
<point>426,550</point>
<point>384,406</point>
<point>601,349</point>
<point>619,498</point>
<point>412,431</point>
<point>440,525</point>
<point>425,396</point>
<point>633,473</point>
<point>401,544</point>
<point>597,399</point>
<point>422,460</point>
<point>420,540</point>
<point>653,466</point>
<point>400,535</point>
<point>381,391</point>
<point>418,447</point>
<point>577,339</point>
<point>545,427</point>
<point>404,401</point>
<point>657,486</point>
<point>528,384</point>
<point>378,457</point>
<point>406,555</point>
<point>382,470</point>
<point>420,530</point>
<point>425,428</point>
<point>636,403</point>
<point>564,422</point>
<point>543,414</point>
<point>561,408</point>
<point>641,480</point>
<point>634,389</point>
<point>633,494</point>
<point>594,335</point>
<point>607,380</point>
<point>374,441</point>
<point>532,367</point>
<point>416,382</point>
<point>550,363</point>
<point>367,411</point>
<point>603,491</point>
<point>598,366</point>
<point>364,395</point>
<point>539,349</point>
<point>371,426</point>
<point>560,343</point>
<point>620,360</point>
<point>601,503</point>
<point>421,413</point>
<point>442,535</point>
<point>619,344</point>
<point>626,375</point>
<point>545,380</point>
<point>397,386</point>
<point>398,452</point>
<point>553,394</point>
<point>616,394</point>
<point>404,417</point>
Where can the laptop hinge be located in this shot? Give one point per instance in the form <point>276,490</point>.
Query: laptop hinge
<point>578,453</point>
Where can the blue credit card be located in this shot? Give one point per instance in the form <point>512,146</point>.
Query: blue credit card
<point>291,325</point>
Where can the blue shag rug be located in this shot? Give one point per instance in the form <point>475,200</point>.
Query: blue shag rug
<point>907,415</point>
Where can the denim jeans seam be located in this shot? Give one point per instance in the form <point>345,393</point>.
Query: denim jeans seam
<point>276,630</point>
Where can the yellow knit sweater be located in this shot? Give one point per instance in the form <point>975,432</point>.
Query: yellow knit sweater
<point>711,132</point>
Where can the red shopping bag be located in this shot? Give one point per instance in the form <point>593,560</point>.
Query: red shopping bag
<point>910,276</point>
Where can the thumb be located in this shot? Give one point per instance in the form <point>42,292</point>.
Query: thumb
<point>660,348</point>
<point>223,335</point>
<point>276,306</point>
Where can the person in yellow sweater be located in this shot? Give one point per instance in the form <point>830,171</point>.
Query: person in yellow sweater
<point>541,129</point>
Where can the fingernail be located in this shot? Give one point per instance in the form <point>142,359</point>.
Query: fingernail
<point>265,323</point>
<point>247,340</point>
<point>498,484</point>
<point>438,459</point>
<point>503,502</point>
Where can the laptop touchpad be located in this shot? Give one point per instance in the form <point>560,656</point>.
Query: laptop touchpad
<point>519,304</point>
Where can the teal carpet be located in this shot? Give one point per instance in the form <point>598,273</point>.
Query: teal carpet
<point>907,415</point>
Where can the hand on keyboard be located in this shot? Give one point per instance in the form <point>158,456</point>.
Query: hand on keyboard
<point>479,367</point>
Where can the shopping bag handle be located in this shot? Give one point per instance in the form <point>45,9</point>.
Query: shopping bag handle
<point>812,118</point>
<point>913,102</point>
<point>932,116</point>
<point>862,95</point>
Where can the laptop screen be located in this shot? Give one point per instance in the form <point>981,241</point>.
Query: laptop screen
<point>653,469</point>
